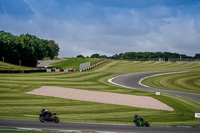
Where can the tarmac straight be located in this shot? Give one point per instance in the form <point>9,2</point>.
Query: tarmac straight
<point>37,125</point>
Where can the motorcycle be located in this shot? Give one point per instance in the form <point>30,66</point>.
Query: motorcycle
<point>52,118</point>
<point>140,121</point>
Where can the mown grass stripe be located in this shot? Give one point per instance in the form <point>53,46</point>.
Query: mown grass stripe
<point>184,82</point>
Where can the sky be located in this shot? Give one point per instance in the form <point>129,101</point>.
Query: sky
<point>107,27</point>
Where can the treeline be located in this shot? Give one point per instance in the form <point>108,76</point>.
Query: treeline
<point>26,49</point>
<point>148,56</point>
<point>145,56</point>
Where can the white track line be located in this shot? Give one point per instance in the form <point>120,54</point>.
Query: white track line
<point>140,82</point>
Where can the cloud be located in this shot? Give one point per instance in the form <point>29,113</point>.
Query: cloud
<point>87,27</point>
<point>197,23</point>
<point>181,34</point>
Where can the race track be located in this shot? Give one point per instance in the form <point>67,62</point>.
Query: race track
<point>133,81</point>
<point>129,80</point>
<point>89,127</point>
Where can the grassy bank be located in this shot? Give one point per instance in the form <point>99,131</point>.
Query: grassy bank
<point>183,82</point>
<point>74,62</point>
<point>147,66</point>
<point>15,103</point>
<point>8,66</point>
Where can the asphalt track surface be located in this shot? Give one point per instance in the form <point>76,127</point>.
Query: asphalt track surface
<point>89,127</point>
<point>129,80</point>
<point>44,63</point>
<point>133,81</point>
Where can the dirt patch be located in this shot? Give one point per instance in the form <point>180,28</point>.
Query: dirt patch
<point>101,97</point>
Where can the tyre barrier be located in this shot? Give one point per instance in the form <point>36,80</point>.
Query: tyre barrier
<point>88,68</point>
<point>60,70</point>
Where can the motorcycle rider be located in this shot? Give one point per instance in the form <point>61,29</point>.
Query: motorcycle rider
<point>140,121</point>
<point>45,113</point>
<point>41,112</point>
<point>135,118</point>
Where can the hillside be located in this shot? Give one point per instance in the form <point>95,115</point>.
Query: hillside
<point>74,62</point>
<point>8,66</point>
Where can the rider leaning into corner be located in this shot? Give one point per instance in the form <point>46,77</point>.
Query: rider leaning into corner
<point>45,113</point>
<point>136,117</point>
<point>140,121</point>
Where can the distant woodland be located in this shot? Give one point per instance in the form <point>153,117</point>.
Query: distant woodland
<point>148,56</point>
<point>26,49</point>
<point>165,56</point>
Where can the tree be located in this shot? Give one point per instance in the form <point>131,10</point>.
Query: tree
<point>95,56</point>
<point>26,48</point>
<point>79,56</point>
<point>103,56</point>
<point>143,56</point>
<point>53,49</point>
<point>197,56</point>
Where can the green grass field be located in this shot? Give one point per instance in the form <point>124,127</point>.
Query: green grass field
<point>8,66</point>
<point>15,103</point>
<point>147,66</point>
<point>183,82</point>
<point>74,62</point>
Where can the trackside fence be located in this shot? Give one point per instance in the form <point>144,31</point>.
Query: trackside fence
<point>183,60</point>
<point>84,66</point>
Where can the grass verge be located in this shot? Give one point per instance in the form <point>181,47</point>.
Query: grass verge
<point>183,82</point>
<point>74,62</point>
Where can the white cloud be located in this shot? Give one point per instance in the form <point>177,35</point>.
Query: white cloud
<point>197,23</point>
<point>110,30</point>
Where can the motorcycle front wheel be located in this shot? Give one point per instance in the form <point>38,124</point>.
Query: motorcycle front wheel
<point>146,124</point>
<point>41,119</point>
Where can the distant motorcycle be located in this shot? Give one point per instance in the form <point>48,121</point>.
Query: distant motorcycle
<point>140,121</point>
<point>45,115</point>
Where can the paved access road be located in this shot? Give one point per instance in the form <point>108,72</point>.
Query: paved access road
<point>44,63</point>
<point>89,127</point>
<point>133,81</point>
